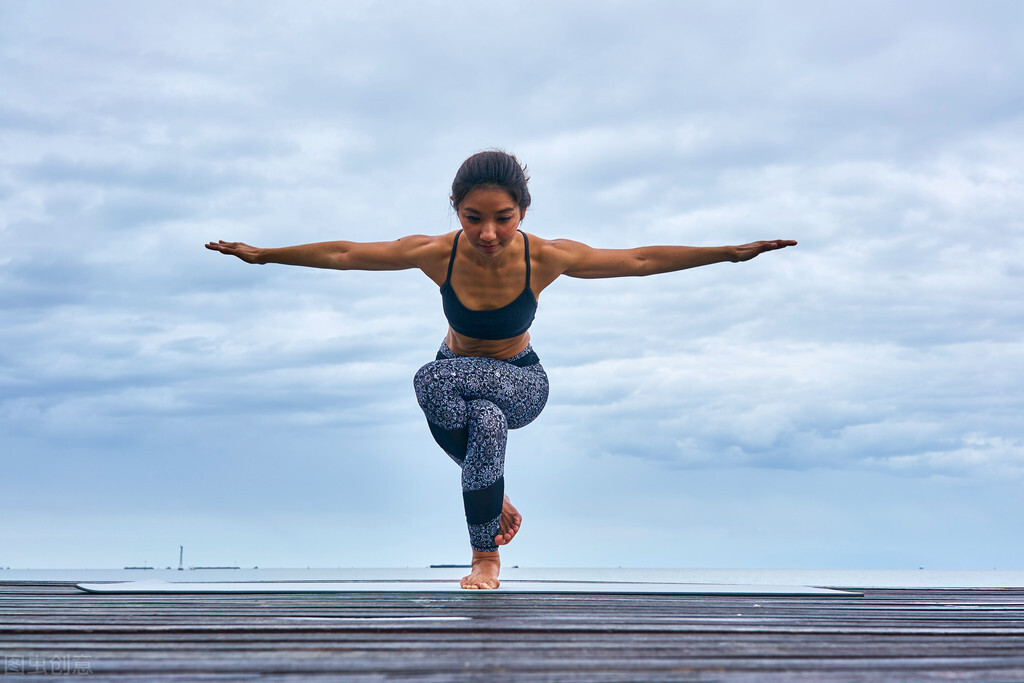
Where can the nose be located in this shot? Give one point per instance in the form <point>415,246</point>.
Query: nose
<point>489,231</point>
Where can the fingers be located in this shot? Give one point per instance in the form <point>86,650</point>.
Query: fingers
<point>777,244</point>
<point>230,248</point>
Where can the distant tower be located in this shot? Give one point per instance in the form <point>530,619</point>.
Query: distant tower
<point>181,555</point>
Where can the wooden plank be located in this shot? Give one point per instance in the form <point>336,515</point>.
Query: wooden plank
<point>920,634</point>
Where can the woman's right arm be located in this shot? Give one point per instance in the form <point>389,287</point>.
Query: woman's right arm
<point>400,254</point>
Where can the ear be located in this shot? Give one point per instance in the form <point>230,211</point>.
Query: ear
<point>522,214</point>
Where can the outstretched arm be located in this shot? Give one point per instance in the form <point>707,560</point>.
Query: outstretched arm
<point>580,260</point>
<point>407,252</point>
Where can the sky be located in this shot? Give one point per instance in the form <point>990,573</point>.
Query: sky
<point>853,402</point>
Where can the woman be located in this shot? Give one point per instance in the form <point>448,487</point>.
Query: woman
<point>486,377</point>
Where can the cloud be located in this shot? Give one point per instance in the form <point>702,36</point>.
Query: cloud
<point>883,350</point>
<point>718,405</point>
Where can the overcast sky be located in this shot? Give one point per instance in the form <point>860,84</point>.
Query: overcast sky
<point>854,402</point>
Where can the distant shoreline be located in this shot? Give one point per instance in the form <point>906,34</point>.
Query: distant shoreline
<point>859,578</point>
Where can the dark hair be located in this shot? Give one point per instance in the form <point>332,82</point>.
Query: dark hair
<point>492,169</point>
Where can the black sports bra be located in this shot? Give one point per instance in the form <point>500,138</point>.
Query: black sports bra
<point>496,323</point>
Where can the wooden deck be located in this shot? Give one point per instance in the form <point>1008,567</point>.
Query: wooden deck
<point>889,634</point>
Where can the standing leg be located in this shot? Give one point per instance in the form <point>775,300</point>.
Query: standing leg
<point>470,404</point>
<point>473,431</point>
<point>483,473</point>
<point>483,489</point>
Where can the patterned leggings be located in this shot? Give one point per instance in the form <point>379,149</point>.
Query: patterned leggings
<point>470,403</point>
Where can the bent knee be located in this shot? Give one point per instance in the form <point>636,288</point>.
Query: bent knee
<point>423,376</point>
<point>427,382</point>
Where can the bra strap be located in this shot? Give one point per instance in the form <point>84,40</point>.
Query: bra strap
<point>451,260</point>
<point>526,243</point>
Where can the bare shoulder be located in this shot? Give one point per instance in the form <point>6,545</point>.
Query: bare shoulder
<point>413,251</point>
<point>576,259</point>
<point>416,248</point>
<point>423,245</point>
<point>429,253</point>
<point>552,258</point>
<point>555,252</point>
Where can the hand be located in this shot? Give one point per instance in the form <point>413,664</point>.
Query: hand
<point>745,252</point>
<point>240,249</point>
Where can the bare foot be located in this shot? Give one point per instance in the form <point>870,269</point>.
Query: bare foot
<point>485,571</point>
<point>511,520</point>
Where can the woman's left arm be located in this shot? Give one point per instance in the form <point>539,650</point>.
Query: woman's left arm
<point>583,261</point>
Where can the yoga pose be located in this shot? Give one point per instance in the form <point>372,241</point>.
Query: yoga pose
<point>486,378</point>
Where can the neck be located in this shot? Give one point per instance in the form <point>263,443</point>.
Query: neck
<point>496,260</point>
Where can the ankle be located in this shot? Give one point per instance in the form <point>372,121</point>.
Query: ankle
<point>485,556</point>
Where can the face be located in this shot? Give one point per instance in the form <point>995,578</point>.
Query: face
<point>489,218</point>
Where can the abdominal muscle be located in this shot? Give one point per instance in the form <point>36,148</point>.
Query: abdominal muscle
<point>502,349</point>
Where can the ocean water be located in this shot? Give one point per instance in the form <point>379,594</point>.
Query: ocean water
<point>826,578</point>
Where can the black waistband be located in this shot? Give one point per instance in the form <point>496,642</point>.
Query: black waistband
<point>523,360</point>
